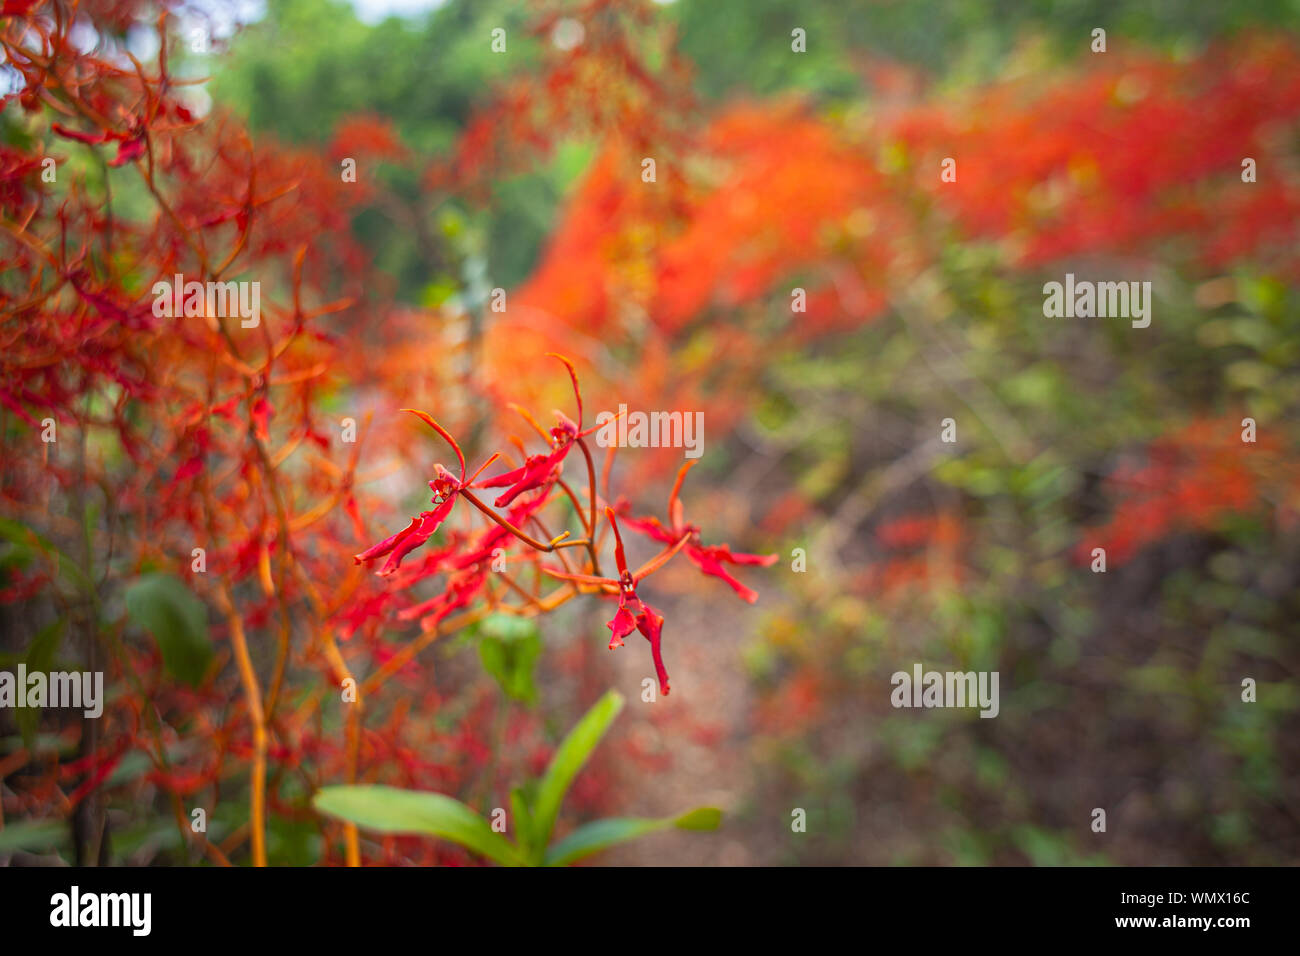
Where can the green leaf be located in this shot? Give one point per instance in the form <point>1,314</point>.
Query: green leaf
<point>40,658</point>
<point>523,820</point>
<point>507,627</point>
<point>166,608</point>
<point>594,837</point>
<point>573,752</point>
<point>44,647</point>
<point>701,818</point>
<point>34,835</point>
<point>391,810</point>
<point>27,542</point>
<point>511,663</point>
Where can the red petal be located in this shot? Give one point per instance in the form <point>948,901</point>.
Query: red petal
<point>704,559</point>
<point>90,139</point>
<point>383,547</point>
<point>651,527</point>
<point>189,469</point>
<point>503,479</point>
<point>446,436</point>
<point>623,624</point>
<point>261,418</point>
<point>650,623</point>
<point>128,151</point>
<point>740,557</point>
<point>535,474</point>
<point>417,534</point>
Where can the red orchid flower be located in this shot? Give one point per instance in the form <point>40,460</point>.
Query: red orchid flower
<point>538,470</point>
<point>708,558</point>
<point>469,570</point>
<point>128,150</point>
<point>632,613</point>
<point>129,145</point>
<point>446,489</point>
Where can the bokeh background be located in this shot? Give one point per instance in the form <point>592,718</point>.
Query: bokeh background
<point>776,170</point>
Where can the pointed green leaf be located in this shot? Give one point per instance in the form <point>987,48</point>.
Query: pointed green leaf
<point>165,607</point>
<point>523,820</point>
<point>594,837</point>
<point>701,818</point>
<point>392,810</point>
<point>573,752</point>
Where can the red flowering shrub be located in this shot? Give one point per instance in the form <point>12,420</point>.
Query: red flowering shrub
<point>190,462</point>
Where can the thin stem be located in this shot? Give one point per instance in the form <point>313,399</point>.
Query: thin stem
<point>253,700</point>
<point>591,492</point>
<point>523,536</point>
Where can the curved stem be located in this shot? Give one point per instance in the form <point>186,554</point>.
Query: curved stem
<point>523,536</point>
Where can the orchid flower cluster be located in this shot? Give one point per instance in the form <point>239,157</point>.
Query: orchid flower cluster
<point>466,560</point>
